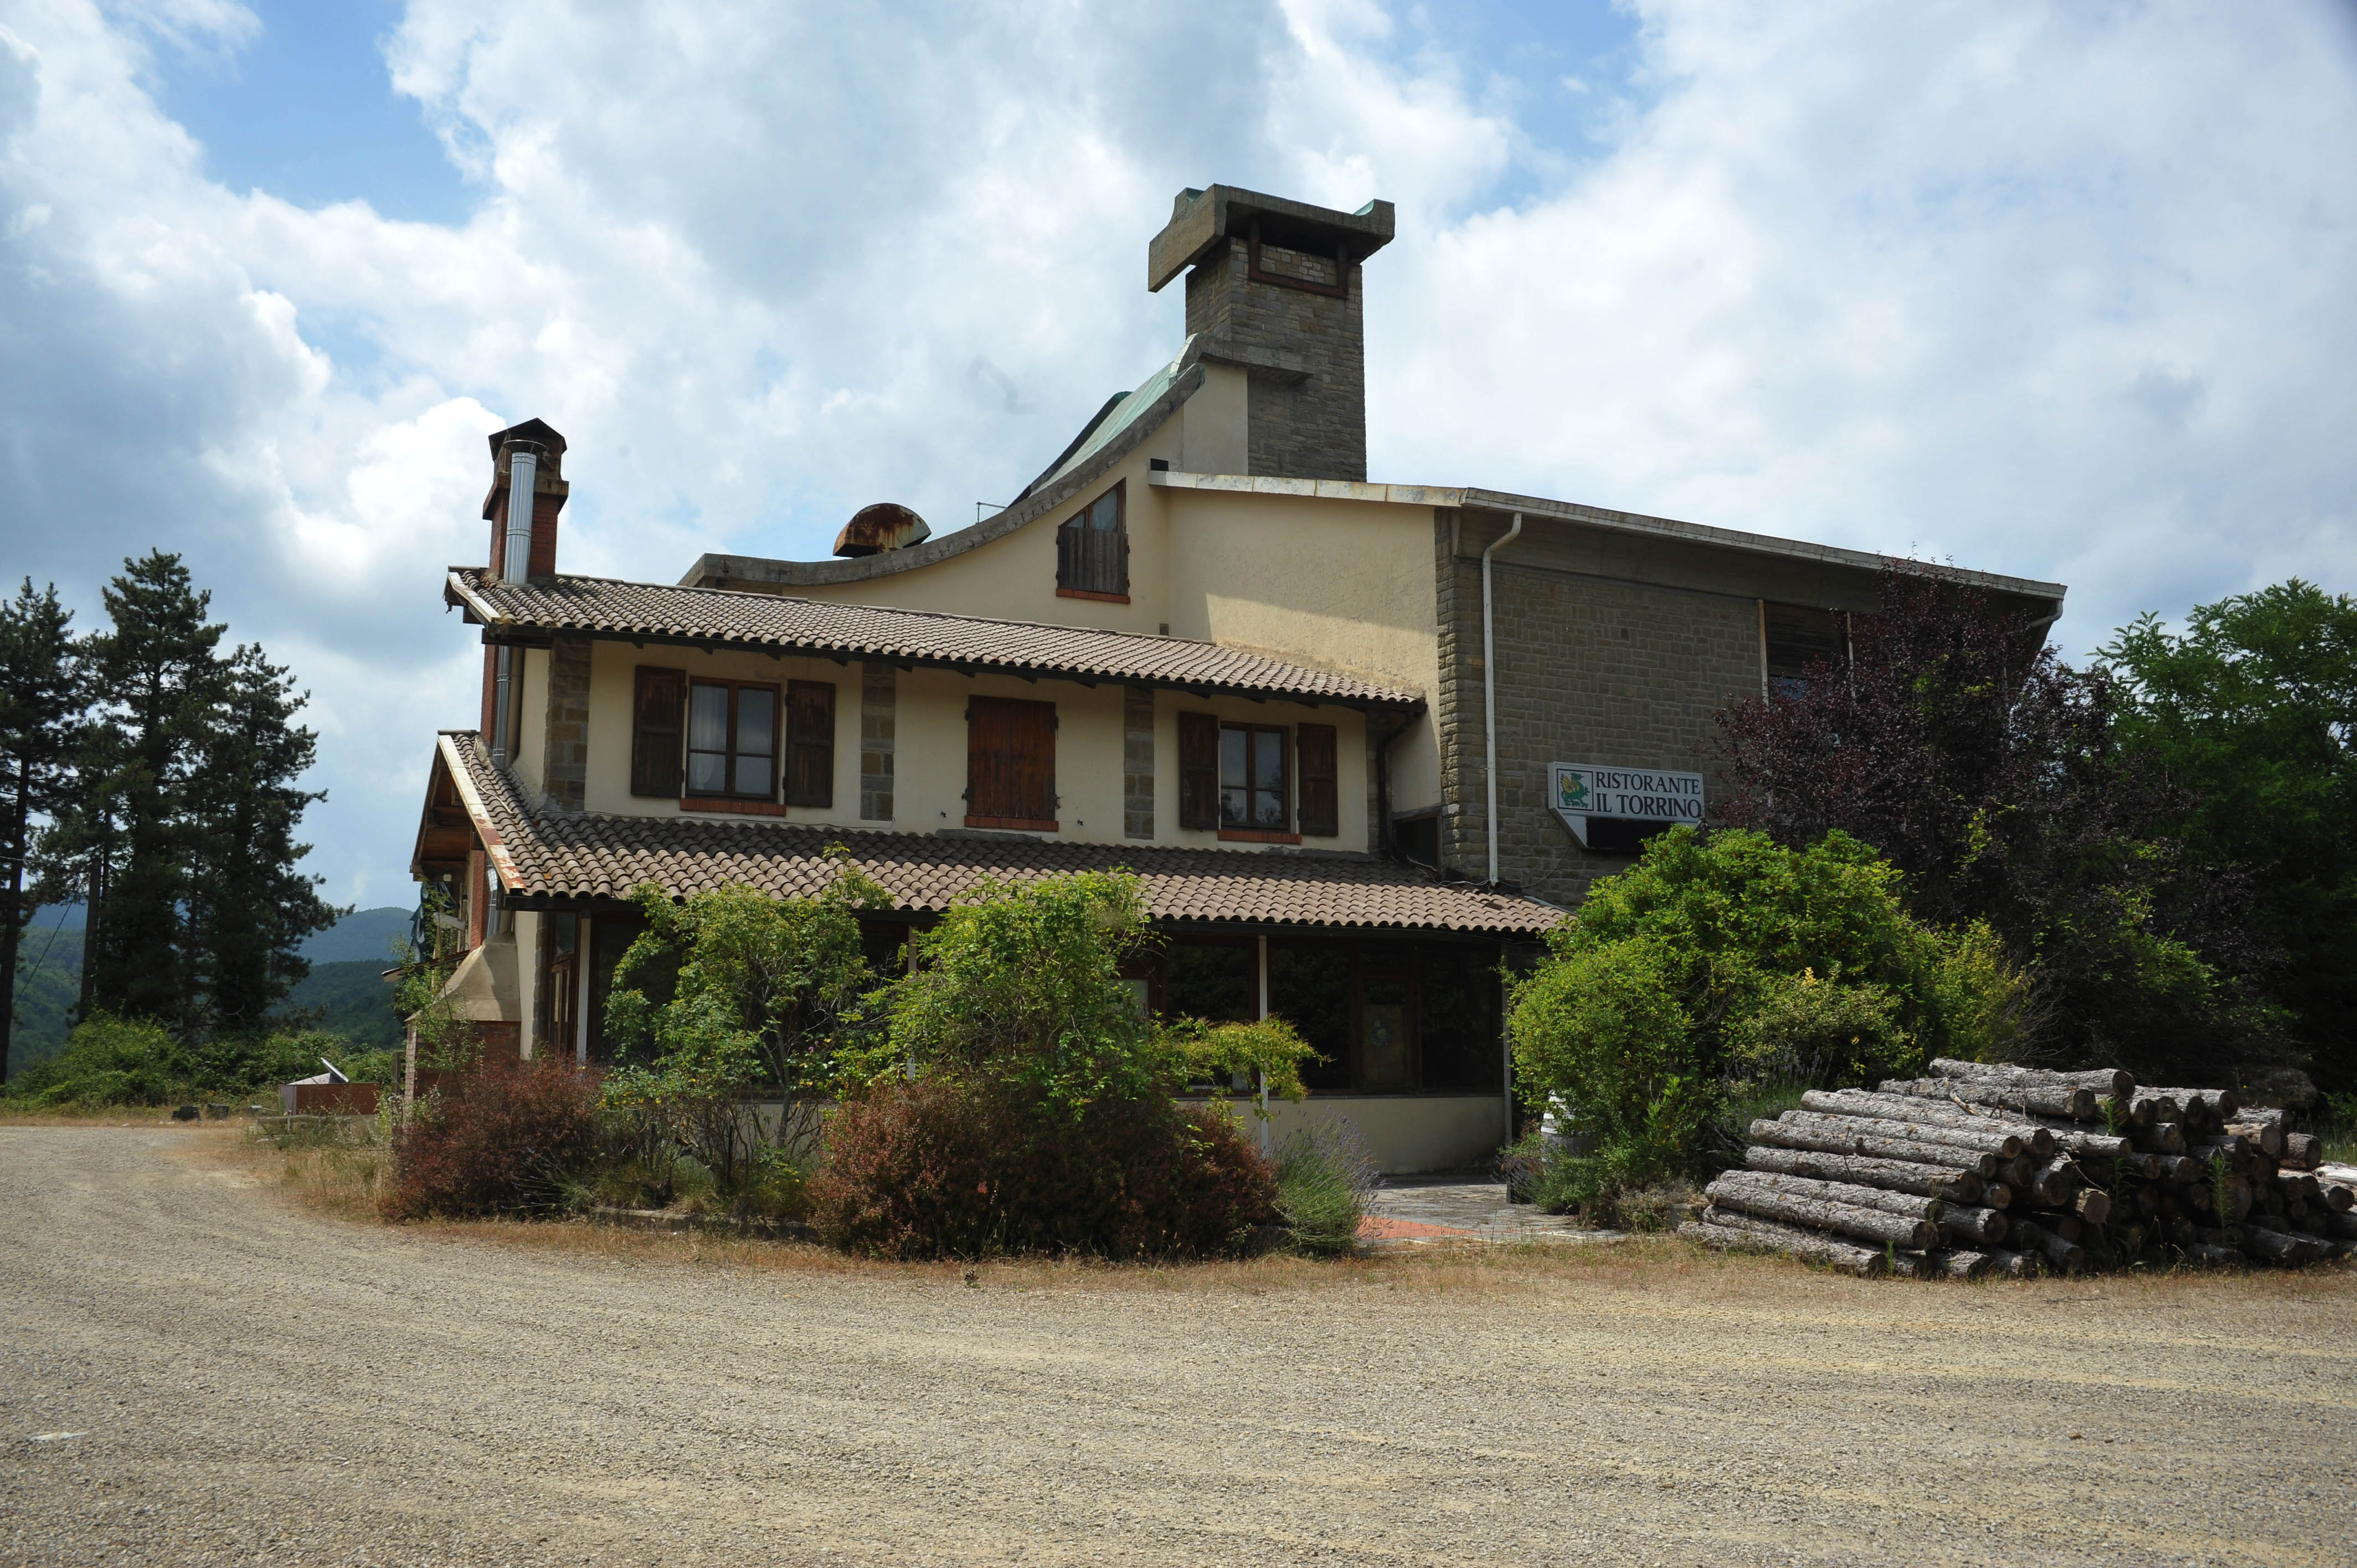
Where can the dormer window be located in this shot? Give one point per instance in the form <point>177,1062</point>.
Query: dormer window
<point>1093,551</point>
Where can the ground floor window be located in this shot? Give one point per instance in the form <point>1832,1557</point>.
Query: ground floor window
<point>1388,1017</point>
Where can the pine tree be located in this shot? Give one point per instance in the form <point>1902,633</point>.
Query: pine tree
<point>250,907</point>
<point>40,692</point>
<point>158,677</point>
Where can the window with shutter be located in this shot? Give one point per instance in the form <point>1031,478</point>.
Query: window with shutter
<point>1198,771</point>
<point>1320,799</point>
<point>1010,770</point>
<point>1255,794</point>
<point>1093,551</point>
<point>658,708</point>
<point>809,743</point>
<point>732,740</point>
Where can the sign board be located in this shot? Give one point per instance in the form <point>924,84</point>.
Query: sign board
<point>1578,791</point>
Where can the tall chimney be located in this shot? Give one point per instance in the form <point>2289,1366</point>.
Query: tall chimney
<point>528,490</point>
<point>1273,287</point>
<point>527,459</point>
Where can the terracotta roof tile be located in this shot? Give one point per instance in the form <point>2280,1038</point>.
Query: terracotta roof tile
<point>724,617</point>
<point>550,854</point>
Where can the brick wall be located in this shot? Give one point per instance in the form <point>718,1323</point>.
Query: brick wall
<point>564,747</point>
<point>1589,670</point>
<point>1304,426</point>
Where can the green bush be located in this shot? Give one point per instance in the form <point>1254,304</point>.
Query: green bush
<point>1323,1176</point>
<point>122,1062</point>
<point>107,1061</point>
<point>1017,1097</point>
<point>1721,967</point>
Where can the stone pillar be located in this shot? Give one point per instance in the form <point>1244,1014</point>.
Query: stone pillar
<point>565,748</point>
<point>878,698</point>
<point>1137,763</point>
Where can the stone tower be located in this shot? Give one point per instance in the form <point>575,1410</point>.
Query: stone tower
<point>1273,287</point>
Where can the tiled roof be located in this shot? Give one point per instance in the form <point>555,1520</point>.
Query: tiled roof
<point>550,854</point>
<point>721,618</point>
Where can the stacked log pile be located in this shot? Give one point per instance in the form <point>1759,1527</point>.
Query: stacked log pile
<point>1993,1168</point>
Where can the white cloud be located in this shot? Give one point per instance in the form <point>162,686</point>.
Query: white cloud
<point>2057,291</point>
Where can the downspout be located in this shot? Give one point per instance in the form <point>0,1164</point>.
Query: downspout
<point>1490,693</point>
<point>515,567</point>
<point>1265,1139</point>
<point>500,707</point>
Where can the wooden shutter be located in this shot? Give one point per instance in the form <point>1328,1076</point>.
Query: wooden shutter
<point>809,743</point>
<point>1198,770</point>
<point>1011,764</point>
<point>657,709</point>
<point>1321,805</point>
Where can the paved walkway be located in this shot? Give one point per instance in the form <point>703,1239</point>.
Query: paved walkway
<point>1459,1207</point>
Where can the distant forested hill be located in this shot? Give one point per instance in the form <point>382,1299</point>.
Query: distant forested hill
<point>48,983</point>
<point>363,935</point>
<point>356,999</point>
<point>347,963</point>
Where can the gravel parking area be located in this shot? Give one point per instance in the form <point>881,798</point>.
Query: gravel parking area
<point>192,1370</point>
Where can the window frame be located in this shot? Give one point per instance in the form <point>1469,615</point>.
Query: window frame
<point>690,751</point>
<point>1078,524</point>
<point>1248,832</point>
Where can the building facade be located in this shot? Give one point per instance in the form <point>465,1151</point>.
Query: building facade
<point>1202,645</point>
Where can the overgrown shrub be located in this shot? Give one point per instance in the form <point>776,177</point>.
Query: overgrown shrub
<point>125,1062</point>
<point>106,1061</point>
<point>1018,1099</point>
<point>947,1165</point>
<point>1323,1176</point>
<point>1722,967</point>
<point>736,993</point>
<point>506,1138</point>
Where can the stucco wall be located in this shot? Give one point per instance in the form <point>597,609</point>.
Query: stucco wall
<point>1405,1133</point>
<point>530,721</point>
<point>930,745</point>
<point>1014,577</point>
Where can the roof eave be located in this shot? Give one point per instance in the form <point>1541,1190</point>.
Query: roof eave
<point>512,632</point>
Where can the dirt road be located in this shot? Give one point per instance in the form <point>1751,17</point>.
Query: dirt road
<point>247,1382</point>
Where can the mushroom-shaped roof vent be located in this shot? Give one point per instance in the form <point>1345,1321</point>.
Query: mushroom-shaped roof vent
<point>887,525</point>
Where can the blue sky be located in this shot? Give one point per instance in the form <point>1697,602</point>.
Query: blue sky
<point>2052,290</point>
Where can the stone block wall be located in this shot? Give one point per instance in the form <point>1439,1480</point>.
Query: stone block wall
<point>564,747</point>
<point>879,693</point>
<point>1309,424</point>
<point>1589,670</point>
<point>1137,763</point>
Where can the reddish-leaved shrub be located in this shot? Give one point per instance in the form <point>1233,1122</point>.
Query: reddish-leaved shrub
<point>494,1141</point>
<point>945,1169</point>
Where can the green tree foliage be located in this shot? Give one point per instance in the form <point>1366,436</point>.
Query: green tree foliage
<point>108,1060</point>
<point>175,825</point>
<point>41,693</point>
<point>732,991</point>
<point>158,681</point>
<point>2253,710</point>
<point>1021,986</point>
<point>250,908</point>
<point>1998,780</point>
<point>1718,965</point>
<point>1018,1097</point>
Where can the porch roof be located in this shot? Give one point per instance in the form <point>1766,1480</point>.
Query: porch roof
<point>546,856</point>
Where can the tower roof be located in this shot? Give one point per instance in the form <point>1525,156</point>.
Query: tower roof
<point>1199,219</point>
